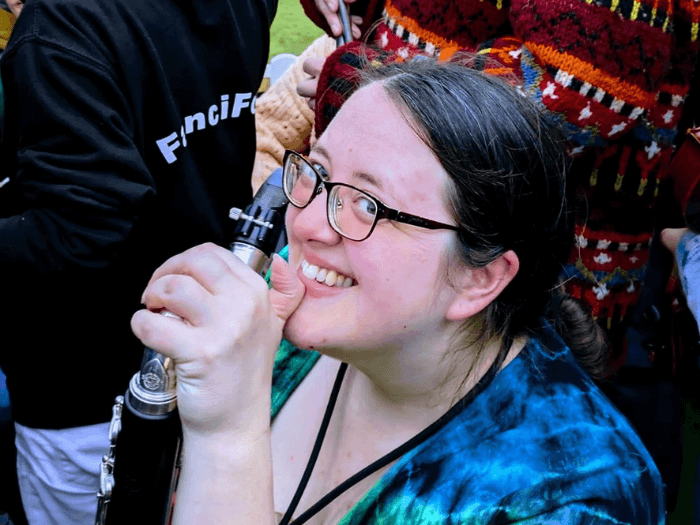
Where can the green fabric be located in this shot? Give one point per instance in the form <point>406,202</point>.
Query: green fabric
<point>291,364</point>
<point>291,367</point>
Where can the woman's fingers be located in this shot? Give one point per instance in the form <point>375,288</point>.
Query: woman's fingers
<point>287,290</point>
<point>162,333</point>
<point>181,295</point>
<point>204,286</point>
<point>207,263</point>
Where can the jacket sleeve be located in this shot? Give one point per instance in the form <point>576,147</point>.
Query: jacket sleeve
<point>72,162</point>
<point>283,120</point>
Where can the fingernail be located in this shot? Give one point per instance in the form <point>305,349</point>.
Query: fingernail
<point>335,28</point>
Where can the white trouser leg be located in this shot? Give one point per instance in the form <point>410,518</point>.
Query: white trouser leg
<point>58,473</point>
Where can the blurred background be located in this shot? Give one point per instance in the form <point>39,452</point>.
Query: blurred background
<point>291,31</point>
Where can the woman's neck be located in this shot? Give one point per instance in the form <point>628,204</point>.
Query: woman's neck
<point>416,386</point>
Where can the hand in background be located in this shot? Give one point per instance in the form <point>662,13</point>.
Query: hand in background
<point>685,246</point>
<point>671,236</point>
<point>307,88</point>
<point>313,66</point>
<point>15,6</point>
<point>329,9</point>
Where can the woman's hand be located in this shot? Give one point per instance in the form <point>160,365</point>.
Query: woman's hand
<point>224,346</point>
<point>329,10</point>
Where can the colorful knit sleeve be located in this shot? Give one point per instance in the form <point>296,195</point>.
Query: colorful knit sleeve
<point>604,66</point>
<point>601,67</point>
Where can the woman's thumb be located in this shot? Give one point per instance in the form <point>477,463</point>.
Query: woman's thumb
<point>287,290</point>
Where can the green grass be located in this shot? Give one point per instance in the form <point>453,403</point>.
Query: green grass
<point>291,31</point>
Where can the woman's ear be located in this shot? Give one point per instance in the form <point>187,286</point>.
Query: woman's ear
<point>478,287</point>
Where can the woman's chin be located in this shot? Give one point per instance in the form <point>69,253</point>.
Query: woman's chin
<point>297,333</point>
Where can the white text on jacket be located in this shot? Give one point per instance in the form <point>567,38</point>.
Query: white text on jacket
<point>199,121</point>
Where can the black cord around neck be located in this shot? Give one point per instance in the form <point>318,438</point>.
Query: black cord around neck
<point>317,445</point>
<point>413,442</point>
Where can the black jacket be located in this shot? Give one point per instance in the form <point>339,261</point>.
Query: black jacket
<point>128,134</point>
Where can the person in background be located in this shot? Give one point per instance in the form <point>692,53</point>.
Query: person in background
<point>128,134</point>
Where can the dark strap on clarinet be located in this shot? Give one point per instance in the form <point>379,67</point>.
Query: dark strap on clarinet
<point>399,451</point>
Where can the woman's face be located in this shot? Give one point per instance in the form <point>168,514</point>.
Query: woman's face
<point>398,295</point>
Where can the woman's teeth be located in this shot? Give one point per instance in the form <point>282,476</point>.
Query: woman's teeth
<point>329,277</point>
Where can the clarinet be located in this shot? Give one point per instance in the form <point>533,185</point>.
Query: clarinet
<point>139,476</point>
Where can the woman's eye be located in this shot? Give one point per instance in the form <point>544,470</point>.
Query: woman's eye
<point>365,207</point>
<point>321,170</point>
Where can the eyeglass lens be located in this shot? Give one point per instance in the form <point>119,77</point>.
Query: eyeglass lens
<point>351,212</point>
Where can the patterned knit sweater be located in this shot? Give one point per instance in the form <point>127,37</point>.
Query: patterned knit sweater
<point>615,73</point>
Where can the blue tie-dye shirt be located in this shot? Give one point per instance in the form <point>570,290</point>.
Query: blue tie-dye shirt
<point>541,444</point>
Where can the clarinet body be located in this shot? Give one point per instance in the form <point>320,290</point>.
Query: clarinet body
<point>140,473</point>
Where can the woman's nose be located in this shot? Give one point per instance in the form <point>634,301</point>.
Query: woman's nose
<point>311,223</point>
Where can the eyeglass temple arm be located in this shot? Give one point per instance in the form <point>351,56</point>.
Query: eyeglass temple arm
<point>407,218</point>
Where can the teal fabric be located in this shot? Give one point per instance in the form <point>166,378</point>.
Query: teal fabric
<point>291,364</point>
<point>541,444</point>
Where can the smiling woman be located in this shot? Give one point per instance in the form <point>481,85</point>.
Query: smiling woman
<point>462,392</point>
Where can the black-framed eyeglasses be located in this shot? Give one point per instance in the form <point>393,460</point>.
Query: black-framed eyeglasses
<point>351,212</point>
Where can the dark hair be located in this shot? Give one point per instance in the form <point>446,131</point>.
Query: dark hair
<point>508,163</point>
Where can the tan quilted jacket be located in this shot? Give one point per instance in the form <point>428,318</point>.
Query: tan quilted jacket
<point>283,120</point>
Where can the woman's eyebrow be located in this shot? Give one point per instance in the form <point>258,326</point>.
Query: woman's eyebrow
<point>319,149</point>
<point>361,175</point>
<point>369,178</point>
